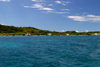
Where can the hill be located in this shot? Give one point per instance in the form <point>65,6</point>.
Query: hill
<point>22,31</point>
<point>12,30</point>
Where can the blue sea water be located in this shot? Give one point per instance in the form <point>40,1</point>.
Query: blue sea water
<point>50,51</point>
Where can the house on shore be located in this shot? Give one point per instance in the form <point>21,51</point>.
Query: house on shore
<point>49,34</point>
<point>28,34</point>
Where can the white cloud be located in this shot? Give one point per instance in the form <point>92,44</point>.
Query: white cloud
<point>38,0</point>
<point>34,0</point>
<point>85,18</point>
<point>68,2</point>
<point>77,18</point>
<point>65,9</point>
<point>2,24</point>
<point>5,0</point>
<point>59,2</point>
<point>50,6</point>
<point>61,12</point>
<point>62,2</point>
<point>40,7</point>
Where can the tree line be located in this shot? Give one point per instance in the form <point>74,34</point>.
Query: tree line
<point>12,30</point>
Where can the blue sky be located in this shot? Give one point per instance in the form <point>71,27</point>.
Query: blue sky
<point>54,15</point>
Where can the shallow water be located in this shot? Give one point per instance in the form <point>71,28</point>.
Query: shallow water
<point>50,51</point>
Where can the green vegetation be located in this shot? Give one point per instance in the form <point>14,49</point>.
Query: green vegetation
<point>22,31</point>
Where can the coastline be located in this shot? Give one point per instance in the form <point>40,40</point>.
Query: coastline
<point>31,31</point>
<point>47,35</point>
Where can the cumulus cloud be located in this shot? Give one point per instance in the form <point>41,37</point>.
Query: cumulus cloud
<point>85,18</point>
<point>40,7</point>
<point>5,0</point>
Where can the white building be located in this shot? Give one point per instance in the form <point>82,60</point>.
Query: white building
<point>49,34</point>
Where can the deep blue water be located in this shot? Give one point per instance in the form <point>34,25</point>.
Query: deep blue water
<point>50,51</point>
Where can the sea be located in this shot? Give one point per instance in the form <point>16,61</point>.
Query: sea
<point>49,51</point>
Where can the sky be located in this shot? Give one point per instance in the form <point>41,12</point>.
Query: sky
<point>54,15</point>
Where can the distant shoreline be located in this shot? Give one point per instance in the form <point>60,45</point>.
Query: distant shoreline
<point>31,31</point>
<point>53,35</point>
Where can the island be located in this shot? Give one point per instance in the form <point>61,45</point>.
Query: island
<point>6,30</point>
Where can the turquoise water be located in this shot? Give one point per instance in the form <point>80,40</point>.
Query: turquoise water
<point>50,51</point>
